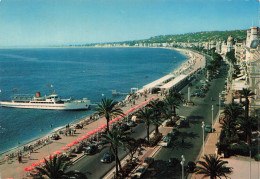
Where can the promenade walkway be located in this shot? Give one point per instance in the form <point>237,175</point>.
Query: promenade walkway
<point>16,170</point>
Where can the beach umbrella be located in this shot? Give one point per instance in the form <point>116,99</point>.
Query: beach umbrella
<point>113,120</point>
<point>70,144</point>
<point>85,136</point>
<point>57,152</point>
<point>95,131</point>
<point>75,142</point>
<point>42,160</point>
<point>64,148</point>
<point>49,157</point>
<point>130,110</point>
<point>118,118</point>
<point>90,133</point>
<point>36,164</point>
<point>28,168</point>
<point>79,139</point>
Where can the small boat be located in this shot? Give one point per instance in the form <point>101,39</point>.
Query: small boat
<point>52,101</point>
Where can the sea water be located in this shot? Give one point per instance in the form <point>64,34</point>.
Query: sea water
<point>75,73</point>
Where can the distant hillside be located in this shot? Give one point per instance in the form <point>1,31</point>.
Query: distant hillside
<point>240,35</point>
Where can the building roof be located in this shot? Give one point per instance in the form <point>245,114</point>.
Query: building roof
<point>158,82</point>
<point>174,82</point>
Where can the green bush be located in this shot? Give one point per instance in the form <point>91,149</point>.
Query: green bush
<point>257,157</point>
<point>170,123</point>
<point>239,149</point>
<point>155,139</point>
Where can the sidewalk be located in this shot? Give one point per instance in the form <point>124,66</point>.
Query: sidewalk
<point>16,170</point>
<point>242,167</point>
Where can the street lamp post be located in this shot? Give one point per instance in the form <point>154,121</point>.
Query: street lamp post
<point>202,126</point>
<point>182,165</point>
<point>212,109</point>
<point>219,96</point>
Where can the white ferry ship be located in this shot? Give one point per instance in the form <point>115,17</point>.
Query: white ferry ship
<point>52,101</point>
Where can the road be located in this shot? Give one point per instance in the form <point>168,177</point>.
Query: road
<point>191,146</point>
<point>93,168</point>
<point>91,165</point>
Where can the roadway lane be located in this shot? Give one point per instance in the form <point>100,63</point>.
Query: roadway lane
<point>191,146</point>
<point>91,165</point>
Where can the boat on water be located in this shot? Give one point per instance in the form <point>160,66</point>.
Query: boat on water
<point>52,101</point>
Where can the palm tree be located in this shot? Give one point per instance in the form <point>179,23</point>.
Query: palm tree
<point>176,95</point>
<point>109,109</point>
<point>232,111</point>
<point>246,93</point>
<point>145,115</point>
<point>173,103</point>
<point>55,169</point>
<point>229,127</point>
<point>117,138</point>
<point>212,167</point>
<point>157,108</point>
<point>247,125</point>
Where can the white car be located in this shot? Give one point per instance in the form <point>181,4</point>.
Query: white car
<point>166,141</point>
<point>140,171</point>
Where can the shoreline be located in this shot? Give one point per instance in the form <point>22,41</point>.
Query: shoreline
<point>176,71</point>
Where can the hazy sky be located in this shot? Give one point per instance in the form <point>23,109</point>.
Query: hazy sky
<point>62,22</point>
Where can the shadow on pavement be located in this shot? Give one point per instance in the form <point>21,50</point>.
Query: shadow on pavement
<point>195,119</point>
<point>160,169</point>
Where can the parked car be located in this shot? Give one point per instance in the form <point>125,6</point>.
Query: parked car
<point>222,104</point>
<point>91,149</point>
<point>140,171</point>
<point>167,140</point>
<point>131,124</point>
<point>125,127</point>
<point>174,132</point>
<point>108,157</point>
<point>208,128</point>
<point>184,122</point>
<point>148,160</point>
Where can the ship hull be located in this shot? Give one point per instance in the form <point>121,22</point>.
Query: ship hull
<point>66,106</point>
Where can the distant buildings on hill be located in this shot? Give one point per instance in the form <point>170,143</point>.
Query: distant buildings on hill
<point>247,54</point>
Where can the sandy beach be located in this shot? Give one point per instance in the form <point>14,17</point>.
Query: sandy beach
<point>45,146</point>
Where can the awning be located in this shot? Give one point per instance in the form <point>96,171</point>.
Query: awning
<point>157,82</point>
<point>239,85</point>
<point>174,82</point>
<point>241,78</point>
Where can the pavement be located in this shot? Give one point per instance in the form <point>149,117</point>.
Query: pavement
<point>242,167</point>
<point>13,169</point>
<point>191,146</point>
<point>16,170</point>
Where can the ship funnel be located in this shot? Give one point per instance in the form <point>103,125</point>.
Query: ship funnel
<point>38,94</point>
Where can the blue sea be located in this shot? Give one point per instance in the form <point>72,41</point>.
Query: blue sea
<point>71,72</point>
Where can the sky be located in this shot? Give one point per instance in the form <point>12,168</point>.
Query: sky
<point>71,22</point>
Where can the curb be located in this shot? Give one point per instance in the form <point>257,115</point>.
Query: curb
<point>78,158</point>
